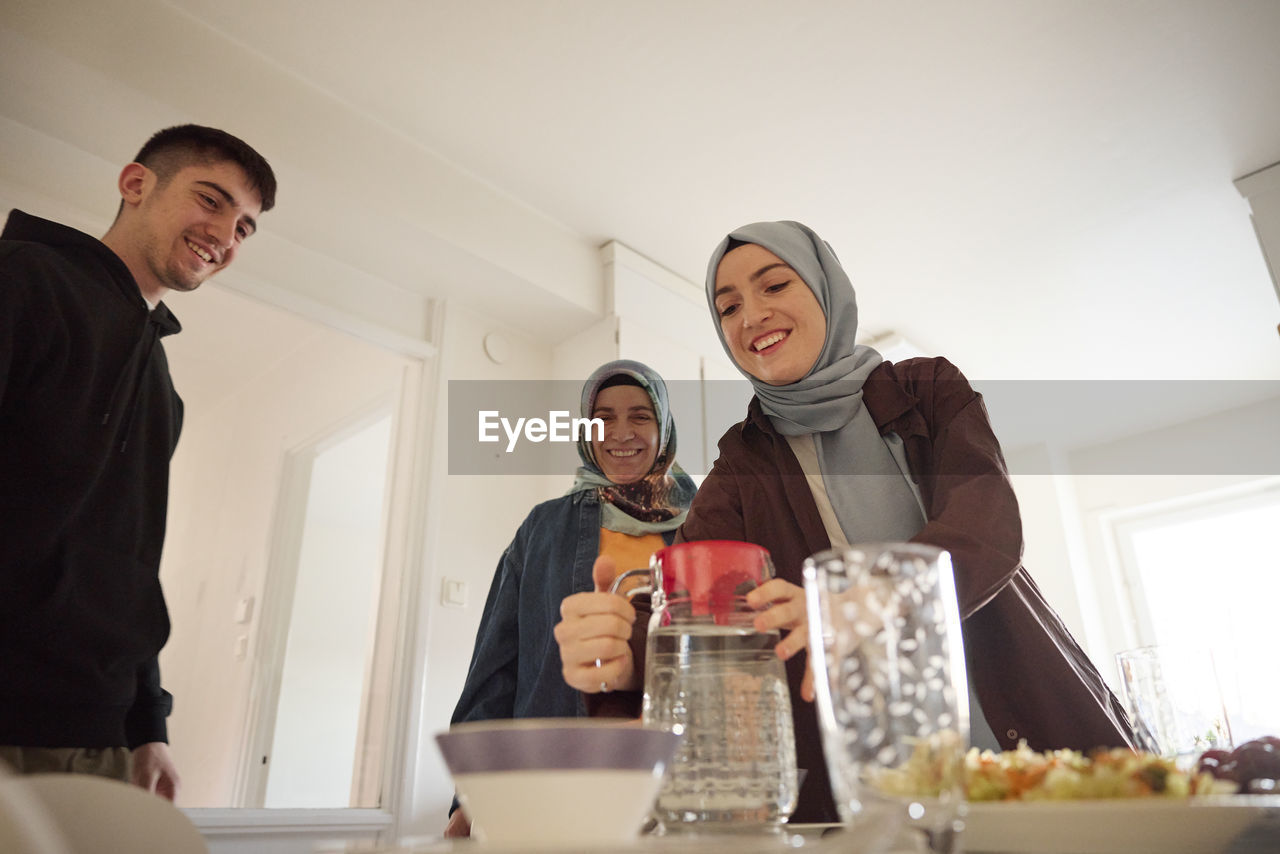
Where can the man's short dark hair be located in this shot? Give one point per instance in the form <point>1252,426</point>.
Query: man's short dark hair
<point>175,148</point>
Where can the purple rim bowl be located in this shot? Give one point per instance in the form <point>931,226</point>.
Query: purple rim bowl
<point>539,744</point>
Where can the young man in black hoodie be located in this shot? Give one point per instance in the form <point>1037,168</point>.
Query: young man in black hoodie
<point>88,422</point>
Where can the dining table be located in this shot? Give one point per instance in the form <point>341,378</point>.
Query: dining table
<point>1225,824</point>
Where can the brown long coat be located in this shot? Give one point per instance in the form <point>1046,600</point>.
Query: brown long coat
<point>1033,680</point>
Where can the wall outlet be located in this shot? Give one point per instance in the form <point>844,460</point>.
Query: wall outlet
<point>453,593</point>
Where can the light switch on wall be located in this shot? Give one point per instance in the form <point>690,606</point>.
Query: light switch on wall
<point>453,593</point>
<point>244,609</point>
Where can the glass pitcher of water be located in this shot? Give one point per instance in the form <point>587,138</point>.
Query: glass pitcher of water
<point>711,676</point>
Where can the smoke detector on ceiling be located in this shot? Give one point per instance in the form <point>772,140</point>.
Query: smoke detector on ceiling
<point>497,348</point>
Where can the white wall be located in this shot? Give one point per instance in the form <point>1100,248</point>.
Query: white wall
<point>225,483</point>
<point>1067,514</point>
<point>471,519</point>
<point>406,223</point>
<point>1262,189</point>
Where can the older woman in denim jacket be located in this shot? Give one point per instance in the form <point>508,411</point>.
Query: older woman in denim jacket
<point>627,500</point>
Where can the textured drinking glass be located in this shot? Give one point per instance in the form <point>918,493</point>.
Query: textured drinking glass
<point>712,677</point>
<point>1174,701</point>
<point>888,661</point>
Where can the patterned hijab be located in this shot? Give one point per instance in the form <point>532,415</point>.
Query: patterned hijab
<point>657,502</point>
<point>865,474</point>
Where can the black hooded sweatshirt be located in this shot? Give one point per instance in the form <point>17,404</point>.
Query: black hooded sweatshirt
<point>88,422</point>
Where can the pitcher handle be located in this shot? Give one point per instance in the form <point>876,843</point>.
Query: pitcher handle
<point>638,589</point>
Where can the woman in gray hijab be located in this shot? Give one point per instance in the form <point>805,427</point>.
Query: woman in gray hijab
<point>840,446</point>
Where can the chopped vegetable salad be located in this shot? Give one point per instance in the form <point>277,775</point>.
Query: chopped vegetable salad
<point>1028,775</point>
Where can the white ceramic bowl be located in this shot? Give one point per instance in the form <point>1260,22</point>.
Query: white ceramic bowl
<point>556,781</point>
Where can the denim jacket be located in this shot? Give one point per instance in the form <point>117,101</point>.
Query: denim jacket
<point>515,668</point>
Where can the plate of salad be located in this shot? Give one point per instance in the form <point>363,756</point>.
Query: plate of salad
<point>1110,801</point>
<point>1210,824</point>
<point>1119,802</point>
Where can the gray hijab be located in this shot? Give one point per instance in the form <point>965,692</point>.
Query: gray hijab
<point>865,474</point>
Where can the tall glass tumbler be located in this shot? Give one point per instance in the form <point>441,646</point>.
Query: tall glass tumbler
<point>888,662</point>
<point>1174,700</point>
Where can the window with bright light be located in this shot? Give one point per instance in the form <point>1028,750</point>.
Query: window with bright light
<point>1208,575</point>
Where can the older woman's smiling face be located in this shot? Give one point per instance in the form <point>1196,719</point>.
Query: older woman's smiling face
<point>630,444</point>
<point>770,319</point>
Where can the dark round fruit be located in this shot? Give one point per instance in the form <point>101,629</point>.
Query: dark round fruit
<point>1253,760</point>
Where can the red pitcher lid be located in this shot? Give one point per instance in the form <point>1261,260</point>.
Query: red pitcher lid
<point>709,572</point>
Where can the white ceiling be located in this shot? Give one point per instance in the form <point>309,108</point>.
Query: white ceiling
<point>1035,188</point>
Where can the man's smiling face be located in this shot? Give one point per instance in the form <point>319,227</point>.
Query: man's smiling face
<point>191,226</point>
